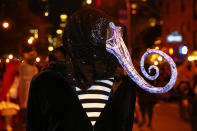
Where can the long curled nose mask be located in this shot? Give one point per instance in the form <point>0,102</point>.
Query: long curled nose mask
<point>117,47</point>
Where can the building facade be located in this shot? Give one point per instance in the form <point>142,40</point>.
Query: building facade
<point>180,24</point>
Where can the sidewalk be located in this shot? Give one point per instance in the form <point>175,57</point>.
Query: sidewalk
<point>165,118</point>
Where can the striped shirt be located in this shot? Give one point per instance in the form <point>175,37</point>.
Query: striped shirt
<point>94,99</point>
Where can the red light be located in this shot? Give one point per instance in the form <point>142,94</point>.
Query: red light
<point>98,3</point>
<point>133,12</point>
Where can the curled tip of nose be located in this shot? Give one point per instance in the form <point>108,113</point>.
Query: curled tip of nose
<point>112,25</point>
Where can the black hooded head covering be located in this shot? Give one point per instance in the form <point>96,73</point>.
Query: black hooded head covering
<point>85,40</point>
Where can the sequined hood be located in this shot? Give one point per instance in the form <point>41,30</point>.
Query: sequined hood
<point>85,34</point>
<point>85,40</point>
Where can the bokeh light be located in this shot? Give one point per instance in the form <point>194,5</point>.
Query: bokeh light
<point>5,25</point>
<point>38,59</point>
<point>10,56</point>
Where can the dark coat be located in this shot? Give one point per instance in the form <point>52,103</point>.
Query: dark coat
<point>54,106</point>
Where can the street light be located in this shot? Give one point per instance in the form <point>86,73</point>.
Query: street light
<point>134,5</point>
<point>7,60</point>
<point>190,58</point>
<point>63,17</point>
<point>171,51</point>
<point>157,47</point>
<point>30,40</point>
<point>156,63</point>
<point>89,2</point>
<point>152,22</point>
<point>36,35</point>
<point>160,58</point>
<point>38,59</point>
<point>10,56</point>
<point>59,31</point>
<point>46,13</point>
<point>50,48</point>
<point>5,25</point>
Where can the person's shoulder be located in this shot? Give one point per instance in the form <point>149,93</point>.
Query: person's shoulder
<point>46,77</point>
<point>128,84</point>
<point>128,81</point>
<point>44,74</point>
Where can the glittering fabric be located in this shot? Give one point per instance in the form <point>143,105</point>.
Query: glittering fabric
<point>85,40</point>
<point>116,46</point>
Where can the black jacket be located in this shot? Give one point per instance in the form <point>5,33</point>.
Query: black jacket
<point>54,106</point>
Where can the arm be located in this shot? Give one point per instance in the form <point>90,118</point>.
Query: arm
<point>131,88</point>
<point>35,119</point>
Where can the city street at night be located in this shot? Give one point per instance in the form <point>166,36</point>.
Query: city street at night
<point>85,65</point>
<point>165,118</point>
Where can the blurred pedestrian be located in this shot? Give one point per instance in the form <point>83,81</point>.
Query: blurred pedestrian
<point>193,109</point>
<point>185,73</point>
<point>146,102</point>
<point>183,90</point>
<point>27,70</point>
<point>193,100</point>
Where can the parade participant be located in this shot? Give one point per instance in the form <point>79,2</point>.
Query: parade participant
<point>81,97</point>
<point>8,78</point>
<point>27,70</point>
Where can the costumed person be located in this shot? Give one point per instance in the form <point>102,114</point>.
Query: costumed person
<point>80,97</point>
<point>9,77</point>
<point>8,94</point>
<point>27,70</point>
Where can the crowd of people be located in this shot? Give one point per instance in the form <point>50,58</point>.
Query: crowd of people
<point>17,77</point>
<point>15,86</point>
<point>186,90</point>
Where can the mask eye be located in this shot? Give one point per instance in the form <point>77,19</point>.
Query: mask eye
<point>109,33</point>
